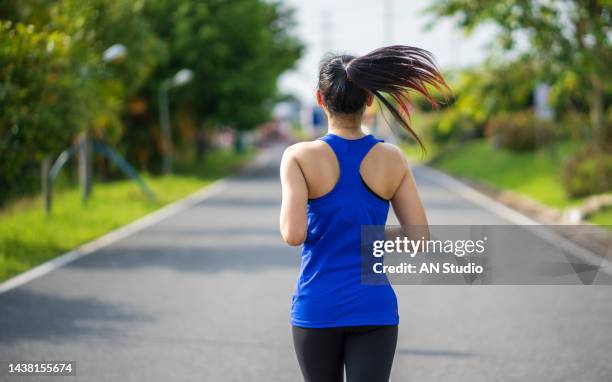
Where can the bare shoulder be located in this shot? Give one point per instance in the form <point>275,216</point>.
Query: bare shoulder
<point>389,153</point>
<point>383,169</point>
<point>390,149</point>
<point>303,150</point>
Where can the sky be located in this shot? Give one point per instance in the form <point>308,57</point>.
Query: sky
<point>358,27</point>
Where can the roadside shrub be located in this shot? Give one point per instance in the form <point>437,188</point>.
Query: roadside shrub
<point>607,136</point>
<point>444,126</point>
<point>39,103</point>
<point>577,125</point>
<point>520,131</point>
<point>587,172</point>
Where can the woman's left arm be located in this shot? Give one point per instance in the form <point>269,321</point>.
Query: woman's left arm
<point>293,217</point>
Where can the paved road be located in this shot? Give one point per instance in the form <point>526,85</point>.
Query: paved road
<point>204,295</point>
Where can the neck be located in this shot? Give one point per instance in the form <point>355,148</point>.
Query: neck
<point>346,127</point>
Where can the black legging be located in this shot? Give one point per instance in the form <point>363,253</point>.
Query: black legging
<point>366,351</point>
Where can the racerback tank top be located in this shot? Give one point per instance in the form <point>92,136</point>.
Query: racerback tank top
<point>329,292</point>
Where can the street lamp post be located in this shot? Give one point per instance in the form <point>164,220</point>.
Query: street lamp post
<point>181,77</point>
<point>114,54</point>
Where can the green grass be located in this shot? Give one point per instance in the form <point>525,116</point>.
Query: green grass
<point>603,218</point>
<point>535,174</point>
<point>414,152</point>
<point>28,238</point>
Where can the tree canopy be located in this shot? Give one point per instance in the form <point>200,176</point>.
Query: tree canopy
<point>55,83</point>
<point>570,40</point>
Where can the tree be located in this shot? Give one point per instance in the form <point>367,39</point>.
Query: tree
<point>54,83</point>
<point>94,26</point>
<point>569,38</point>
<point>236,50</point>
<point>91,27</point>
<point>38,102</point>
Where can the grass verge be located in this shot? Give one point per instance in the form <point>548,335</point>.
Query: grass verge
<point>28,238</point>
<point>603,218</point>
<point>535,174</point>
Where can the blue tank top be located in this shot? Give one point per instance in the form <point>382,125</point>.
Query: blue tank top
<point>329,292</point>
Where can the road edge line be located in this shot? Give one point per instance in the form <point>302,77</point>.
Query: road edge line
<point>464,190</point>
<point>131,228</point>
<point>516,217</point>
<point>115,235</point>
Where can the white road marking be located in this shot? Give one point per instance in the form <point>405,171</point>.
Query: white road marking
<point>114,236</point>
<point>515,217</point>
<point>129,229</point>
<point>181,205</point>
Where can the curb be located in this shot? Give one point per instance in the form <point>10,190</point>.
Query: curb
<point>131,228</point>
<point>516,217</point>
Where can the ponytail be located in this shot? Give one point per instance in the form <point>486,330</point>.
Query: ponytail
<point>345,81</point>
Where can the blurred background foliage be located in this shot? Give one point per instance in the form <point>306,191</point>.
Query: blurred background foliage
<point>566,45</point>
<point>54,82</point>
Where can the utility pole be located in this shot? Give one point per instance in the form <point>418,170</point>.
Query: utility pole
<point>45,182</point>
<point>181,77</point>
<point>114,54</point>
<point>84,149</point>
<point>164,118</point>
<point>385,129</point>
<point>316,121</point>
<point>387,22</point>
<point>326,31</point>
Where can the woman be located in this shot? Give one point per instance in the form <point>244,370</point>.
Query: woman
<point>331,187</point>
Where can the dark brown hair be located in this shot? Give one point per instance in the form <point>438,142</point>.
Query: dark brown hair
<point>345,81</point>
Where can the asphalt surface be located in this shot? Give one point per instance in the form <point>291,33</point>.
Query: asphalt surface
<point>204,295</point>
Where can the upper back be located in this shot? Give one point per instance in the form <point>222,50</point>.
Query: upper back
<point>381,169</point>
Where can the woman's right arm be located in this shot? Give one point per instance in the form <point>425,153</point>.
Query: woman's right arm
<point>408,206</point>
<point>293,216</point>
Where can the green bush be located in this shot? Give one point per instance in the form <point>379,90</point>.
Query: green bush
<point>446,125</point>
<point>39,103</point>
<point>587,172</point>
<point>520,131</point>
<point>578,125</point>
